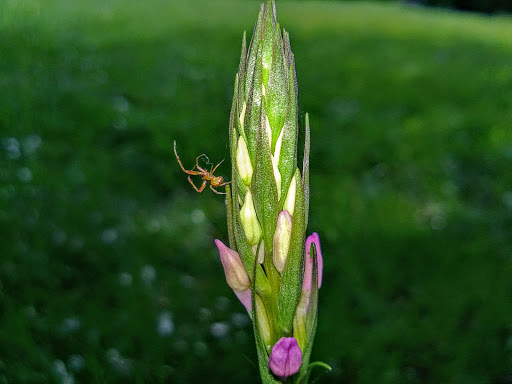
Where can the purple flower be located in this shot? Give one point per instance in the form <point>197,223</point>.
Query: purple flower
<point>285,358</point>
<point>308,271</point>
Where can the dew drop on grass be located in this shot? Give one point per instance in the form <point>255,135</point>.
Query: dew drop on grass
<point>31,143</point>
<point>165,325</point>
<point>25,175</point>
<point>148,274</point>
<point>200,348</point>
<point>197,216</point>
<point>204,314</point>
<point>240,320</point>
<point>109,236</point>
<point>125,279</point>
<point>507,199</point>
<point>118,362</point>
<point>59,237</point>
<point>221,303</point>
<point>76,362</point>
<point>12,147</point>
<point>70,325</point>
<point>219,330</point>
<point>187,281</point>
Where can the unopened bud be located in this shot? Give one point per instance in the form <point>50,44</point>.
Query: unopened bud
<point>289,202</point>
<point>242,115</point>
<point>261,252</point>
<point>250,220</point>
<point>286,357</point>
<point>243,162</point>
<point>282,238</point>
<point>263,323</point>
<point>236,275</point>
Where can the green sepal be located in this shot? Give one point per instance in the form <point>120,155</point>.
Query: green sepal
<point>232,140</point>
<point>311,319</point>
<point>305,168</point>
<point>263,186</point>
<point>229,209</point>
<point>291,280</point>
<point>290,59</point>
<point>267,43</point>
<point>277,94</point>
<point>242,67</point>
<point>254,47</point>
<point>253,112</point>
<point>266,375</point>
<point>288,159</point>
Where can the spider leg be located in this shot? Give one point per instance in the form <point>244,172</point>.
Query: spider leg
<point>217,166</point>
<point>181,165</point>
<point>217,192</point>
<point>197,162</point>
<point>200,189</point>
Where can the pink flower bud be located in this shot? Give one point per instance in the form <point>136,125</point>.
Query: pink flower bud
<point>236,275</point>
<point>286,357</point>
<point>308,269</point>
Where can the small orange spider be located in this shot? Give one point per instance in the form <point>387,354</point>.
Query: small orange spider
<point>215,181</point>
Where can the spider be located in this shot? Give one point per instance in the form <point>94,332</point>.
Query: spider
<point>215,181</point>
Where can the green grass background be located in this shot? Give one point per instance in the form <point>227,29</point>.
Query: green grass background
<point>102,238</point>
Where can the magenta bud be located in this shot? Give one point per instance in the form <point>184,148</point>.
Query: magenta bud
<point>286,357</point>
<point>308,268</point>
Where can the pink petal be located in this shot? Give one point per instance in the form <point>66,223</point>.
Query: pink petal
<point>245,298</point>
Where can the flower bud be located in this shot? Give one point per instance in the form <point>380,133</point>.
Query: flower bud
<point>286,357</point>
<point>243,161</point>
<point>236,275</point>
<point>308,268</point>
<point>263,323</point>
<point>250,221</point>
<point>289,202</point>
<point>282,238</point>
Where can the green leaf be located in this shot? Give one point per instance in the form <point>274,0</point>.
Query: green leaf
<point>291,280</point>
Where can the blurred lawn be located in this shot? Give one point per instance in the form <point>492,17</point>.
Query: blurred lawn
<point>108,271</point>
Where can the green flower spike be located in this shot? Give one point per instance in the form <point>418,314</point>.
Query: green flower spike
<point>267,204</point>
